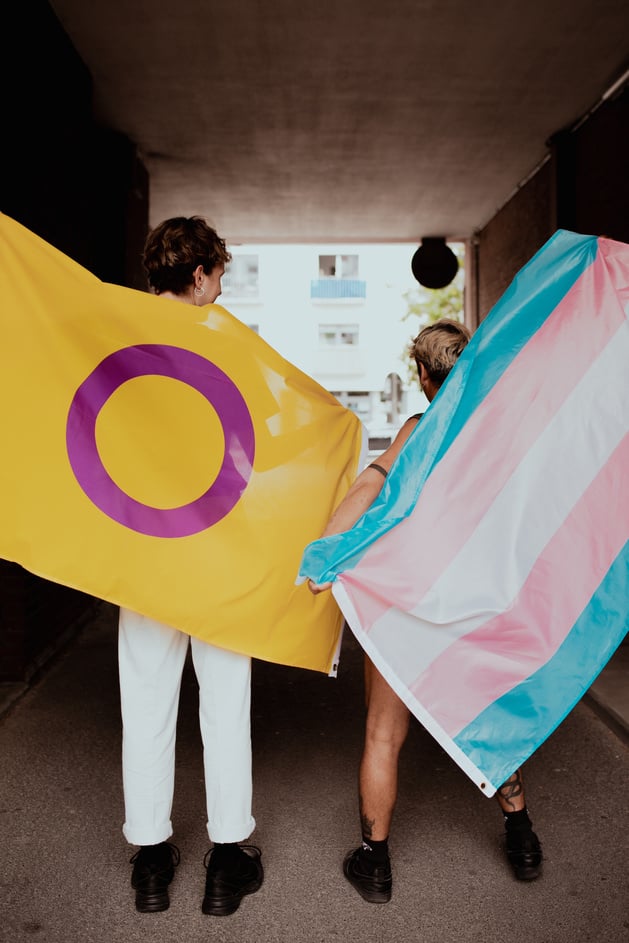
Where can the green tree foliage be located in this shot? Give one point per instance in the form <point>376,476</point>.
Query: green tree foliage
<point>427,305</point>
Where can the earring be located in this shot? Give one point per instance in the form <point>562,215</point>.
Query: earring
<point>199,291</point>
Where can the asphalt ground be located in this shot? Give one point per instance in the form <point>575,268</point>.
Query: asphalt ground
<point>64,874</point>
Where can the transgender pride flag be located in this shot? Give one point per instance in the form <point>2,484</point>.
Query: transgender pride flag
<point>489,582</point>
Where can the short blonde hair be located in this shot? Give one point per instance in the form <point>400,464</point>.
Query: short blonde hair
<point>439,346</point>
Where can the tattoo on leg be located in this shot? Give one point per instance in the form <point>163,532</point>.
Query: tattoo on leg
<point>366,823</point>
<point>512,789</point>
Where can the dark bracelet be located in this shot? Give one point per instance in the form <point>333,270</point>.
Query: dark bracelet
<point>379,468</point>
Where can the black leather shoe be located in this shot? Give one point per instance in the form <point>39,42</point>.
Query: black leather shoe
<point>524,853</point>
<point>372,883</point>
<point>227,883</point>
<point>153,870</point>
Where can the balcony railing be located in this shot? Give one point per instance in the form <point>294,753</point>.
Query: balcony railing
<point>326,289</point>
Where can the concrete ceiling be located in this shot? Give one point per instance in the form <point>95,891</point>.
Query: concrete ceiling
<point>346,121</point>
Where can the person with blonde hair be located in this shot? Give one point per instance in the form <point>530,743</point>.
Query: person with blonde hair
<point>368,868</point>
<point>185,260</point>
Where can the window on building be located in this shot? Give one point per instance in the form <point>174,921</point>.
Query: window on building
<point>338,266</point>
<point>241,278</point>
<point>358,402</point>
<point>338,280</point>
<point>338,335</point>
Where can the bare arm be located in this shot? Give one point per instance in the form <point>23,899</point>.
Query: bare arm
<point>363,493</point>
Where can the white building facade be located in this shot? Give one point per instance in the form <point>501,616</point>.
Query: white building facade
<point>336,312</point>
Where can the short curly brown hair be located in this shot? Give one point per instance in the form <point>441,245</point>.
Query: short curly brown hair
<point>175,248</point>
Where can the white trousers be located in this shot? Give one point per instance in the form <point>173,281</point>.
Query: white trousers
<point>151,659</point>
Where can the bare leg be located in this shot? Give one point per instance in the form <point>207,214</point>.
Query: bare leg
<point>368,867</point>
<point>386,730</point>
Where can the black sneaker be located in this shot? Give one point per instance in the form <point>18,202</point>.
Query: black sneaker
<point>227,883</point>
<point>153,870</point>
<point>373,882</point>
<point>524,853</point>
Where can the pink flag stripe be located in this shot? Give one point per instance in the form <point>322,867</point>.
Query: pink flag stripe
<point>496,657</point>
<point>583,323</point>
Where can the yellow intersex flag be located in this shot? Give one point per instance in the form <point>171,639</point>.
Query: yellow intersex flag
<point>165,458</point>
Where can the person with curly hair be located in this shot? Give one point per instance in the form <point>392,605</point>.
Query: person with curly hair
<point>185,260</point>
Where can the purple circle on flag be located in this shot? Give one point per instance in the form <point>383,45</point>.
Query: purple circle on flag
<point>197,372</point>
